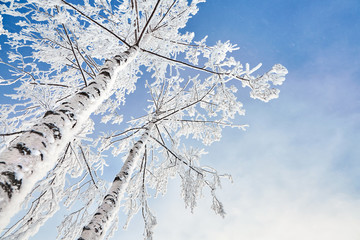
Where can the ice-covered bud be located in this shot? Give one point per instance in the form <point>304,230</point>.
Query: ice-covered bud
<point>277,74</point>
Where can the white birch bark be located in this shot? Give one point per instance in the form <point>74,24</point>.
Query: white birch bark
<point>109,207</point>
<point>31,155</point>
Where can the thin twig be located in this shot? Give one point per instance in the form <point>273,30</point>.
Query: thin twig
<point>194,67</point>
<point>19,69</point>
<point>50,84</point>
<point>88,167</point>
<point>122,133</point>
<point>72,49</point>
<point>14,133</point>
<point>155,28</point>
<point>187,106</point>
<point>147,23</point>
<point>100,25</point>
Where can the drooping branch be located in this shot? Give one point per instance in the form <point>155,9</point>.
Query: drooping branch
<point>180,159</point>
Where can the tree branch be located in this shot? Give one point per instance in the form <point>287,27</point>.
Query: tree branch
<point>147,23</point>
<point>193,66</point>
<point>100,25</point>
<point>72,49</point>
<point>10,134</point>
<point>156,27</point>
<point>88,167</point>
<point>189,105</point>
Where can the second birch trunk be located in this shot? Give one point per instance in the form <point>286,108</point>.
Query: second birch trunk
<point>106,211</point>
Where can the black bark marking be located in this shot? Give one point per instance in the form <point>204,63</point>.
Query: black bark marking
<point>44,144</point>
<point>81,103</point>
<point>65,103</point>
<point>68,106</point>
<point>97,90</point>
<point>117,178</point>
<point>110,198</point>
<point>50,113</point>
<point>97,214</point>
<point>19,166</point>
<point>68,113</point>
<point>106,73</point>
<point>2,162</point>
<point>55,129</point>
<point>86,228</point>
<point>22,149</point>
<point>12,183</point>
<point>107,195</point>
<point>118,59</point>
<point>36,132</point>
<point>80,238</point>
<point>84,94</point>
<point>42,157</point>
<point>92,83</point>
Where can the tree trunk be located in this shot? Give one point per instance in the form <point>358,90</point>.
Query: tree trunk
<point>31,155</point>
<point>109,207</point>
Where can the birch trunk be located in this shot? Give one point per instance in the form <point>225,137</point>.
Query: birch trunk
<point>31,155</point>
<point>109,207</point>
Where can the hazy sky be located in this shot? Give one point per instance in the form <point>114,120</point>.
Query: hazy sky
<point>296,169</point>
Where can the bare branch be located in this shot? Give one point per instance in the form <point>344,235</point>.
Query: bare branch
<point>19,69</point>
<point>195,67</point>
<point>88,167</point>
<point>187,106</point>
<point>72,49</point>
<point>10,134</point>
<point>100,25</point>
<point>49,84</point>
<point>156,27</point>
<point>147,23</point>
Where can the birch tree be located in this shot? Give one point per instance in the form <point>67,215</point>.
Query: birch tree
<point>71,61</point>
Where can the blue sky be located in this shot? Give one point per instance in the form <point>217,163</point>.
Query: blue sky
<point>296,169</point>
